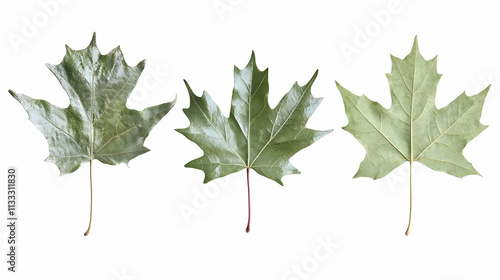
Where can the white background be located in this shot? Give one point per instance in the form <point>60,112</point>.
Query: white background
<point>138,230</point>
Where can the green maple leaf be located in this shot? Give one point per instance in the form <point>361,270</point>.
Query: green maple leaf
<point>254,136</point>
<point>413,129</point>
<point>96,125</point>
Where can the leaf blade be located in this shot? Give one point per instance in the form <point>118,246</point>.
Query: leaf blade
<point>417,126</point>
<point>98,87</point>
<point>254,135</point>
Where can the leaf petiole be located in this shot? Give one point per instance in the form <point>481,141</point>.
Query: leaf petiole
<point>90,222</point>
<point>409,219</point>
<point>248,187</point>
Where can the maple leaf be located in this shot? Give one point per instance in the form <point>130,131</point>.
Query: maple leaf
<point>254,136</point>
<point>413,129</point>
<point>96,125</point>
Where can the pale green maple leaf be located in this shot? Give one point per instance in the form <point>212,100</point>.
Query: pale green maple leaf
<point>413,129</point>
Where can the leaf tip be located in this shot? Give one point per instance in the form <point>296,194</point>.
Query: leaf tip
<point>252,56</point>
<point>313,78</point>
<point>174,101</point>
<point>415,41</point>
<point>206,179</point>
<point>340,87</point>
<point>252,62</point>
<point>68,49</point>
<point>93,41</point>
<point>328,131</point>
<point>190,91</point>
<point>140,65</point>
<point>487,89</point>
<point>186,84</point>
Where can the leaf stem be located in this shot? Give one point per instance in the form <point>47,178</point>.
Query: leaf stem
<point>409,220</point>
<point>248,187</point>
<point>90,222</point>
